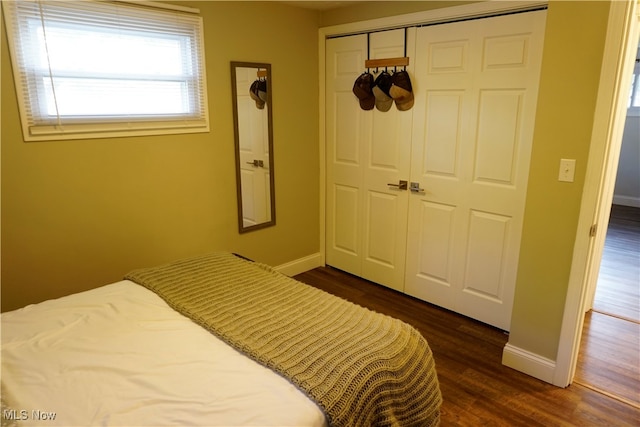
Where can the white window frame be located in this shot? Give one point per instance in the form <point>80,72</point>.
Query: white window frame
<point>40,124</point>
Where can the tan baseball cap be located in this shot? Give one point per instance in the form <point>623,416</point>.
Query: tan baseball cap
<point>381,87</point>
<point>401,90</point>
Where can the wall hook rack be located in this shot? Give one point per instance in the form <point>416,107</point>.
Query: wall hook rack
<point>387,62</point>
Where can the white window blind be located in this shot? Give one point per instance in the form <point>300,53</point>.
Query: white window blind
<point>100,69</point>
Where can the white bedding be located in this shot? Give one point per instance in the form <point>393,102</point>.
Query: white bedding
<point>118,355</point>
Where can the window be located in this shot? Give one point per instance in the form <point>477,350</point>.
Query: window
<point>89,69</point>
<point>634,96</point>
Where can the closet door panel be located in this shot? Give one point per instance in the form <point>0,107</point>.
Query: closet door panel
<point>488,279</point>
<point>484,274</point>
<point>442,129</point>
<point>387,162</point>
<point>381,230</point>
<point>345,162</point>
<point>473,129</point>
<point>345,236</point>
<point>387,157</point>
<point>497,146</point>
<point>346,151</point>
<point>507,82</point>
<point>440,135</point>
<point>366,151</point>
<point>348,130</point>
<point>431,259</point>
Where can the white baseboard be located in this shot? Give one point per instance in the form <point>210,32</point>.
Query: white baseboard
<point>626,201</point>
<point>300,265</point>
<point>529,363</point>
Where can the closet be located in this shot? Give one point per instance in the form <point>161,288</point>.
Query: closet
<point>451,236</point>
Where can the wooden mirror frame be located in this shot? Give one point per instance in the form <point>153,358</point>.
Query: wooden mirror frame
<point>265,70</point>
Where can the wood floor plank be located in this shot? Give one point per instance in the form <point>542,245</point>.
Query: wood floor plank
<point>618,288</point>
<point>477,389</point>
<point>609,357</point>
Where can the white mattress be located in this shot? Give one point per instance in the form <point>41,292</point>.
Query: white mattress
<point>118,355</point>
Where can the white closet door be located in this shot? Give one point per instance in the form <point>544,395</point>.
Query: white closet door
<point>366,151</point>
<point>476,94</point>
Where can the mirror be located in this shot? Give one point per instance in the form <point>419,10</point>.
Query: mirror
<point>252,117</point>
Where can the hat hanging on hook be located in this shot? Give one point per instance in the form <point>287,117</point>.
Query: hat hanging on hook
<point>399,90</point>
<point>258,89</point>
<point>363,90</point>
<point>254,92</point>
<point>386,88</point>
<point>381,88</point>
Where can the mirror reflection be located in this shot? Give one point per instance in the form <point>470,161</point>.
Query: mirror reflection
<point>252,88</point>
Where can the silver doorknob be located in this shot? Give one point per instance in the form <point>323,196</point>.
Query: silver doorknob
<point>415,187</point>
<point>401,185</point>
<point>257,163</point>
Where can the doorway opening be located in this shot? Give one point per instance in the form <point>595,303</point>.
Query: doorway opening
<point>608,360</point>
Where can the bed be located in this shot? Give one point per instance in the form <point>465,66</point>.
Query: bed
<point>213,340</point>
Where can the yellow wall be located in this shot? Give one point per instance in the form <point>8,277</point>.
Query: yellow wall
<point>573,52</point>
<point>80,214</point>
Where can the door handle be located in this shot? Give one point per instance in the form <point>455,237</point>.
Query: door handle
<point>257,163</point>
<point>401,185</point>
<point>415,187</point>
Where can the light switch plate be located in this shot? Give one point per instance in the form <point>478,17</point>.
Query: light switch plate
<point>567,170</point>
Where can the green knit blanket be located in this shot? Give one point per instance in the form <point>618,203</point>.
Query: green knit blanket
<point>362,368</point>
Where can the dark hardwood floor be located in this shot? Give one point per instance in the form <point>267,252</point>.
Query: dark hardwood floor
<point>477,389</point>
<point>609,359</point>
